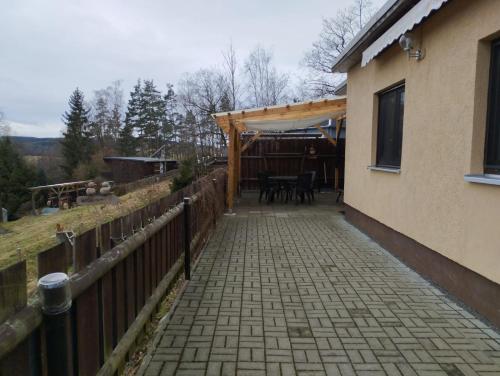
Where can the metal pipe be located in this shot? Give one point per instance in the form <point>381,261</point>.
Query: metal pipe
<point>187,238</point>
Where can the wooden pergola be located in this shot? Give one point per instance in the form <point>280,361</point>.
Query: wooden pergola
<point>270,119</point>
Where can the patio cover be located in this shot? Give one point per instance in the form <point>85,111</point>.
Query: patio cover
<point>414,17</point>
<point>273,118</point>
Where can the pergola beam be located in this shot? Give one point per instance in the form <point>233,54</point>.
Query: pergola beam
<point>326,134</point>
<point>233,123</point>
<point>249,143</point>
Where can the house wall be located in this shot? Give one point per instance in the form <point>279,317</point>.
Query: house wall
<point>443,139</point>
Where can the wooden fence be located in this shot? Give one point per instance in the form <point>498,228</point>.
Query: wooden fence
<point>119,273</point>
<point>292,157</point>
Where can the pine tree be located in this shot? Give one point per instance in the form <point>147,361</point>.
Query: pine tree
<point>100,121</point>
<point>15,177</point>
<point>132,123</point>
<point>152,117</point>
<point>127,142</point>
<point>77,143</point>
<point>169,131</point>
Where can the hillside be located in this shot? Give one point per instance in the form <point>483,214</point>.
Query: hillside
<point>32,234</point>
<point>37,146</point>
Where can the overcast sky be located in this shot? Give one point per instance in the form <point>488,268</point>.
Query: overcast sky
<point>49,47</point>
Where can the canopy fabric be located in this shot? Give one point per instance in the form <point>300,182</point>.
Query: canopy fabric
<point>286,125</point>
<point>282,117</point>
<point>414,17</point>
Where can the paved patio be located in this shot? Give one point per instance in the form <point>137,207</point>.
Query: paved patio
<point>295,290</point>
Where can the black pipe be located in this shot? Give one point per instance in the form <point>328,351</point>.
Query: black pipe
<point>187,238</point>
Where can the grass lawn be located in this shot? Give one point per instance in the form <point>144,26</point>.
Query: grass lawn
<point>32,234</point>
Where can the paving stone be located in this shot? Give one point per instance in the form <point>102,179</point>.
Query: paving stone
<point>301,292</point>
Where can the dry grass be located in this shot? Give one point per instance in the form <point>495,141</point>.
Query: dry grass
<point>30,235</point>
<point>135,361</point>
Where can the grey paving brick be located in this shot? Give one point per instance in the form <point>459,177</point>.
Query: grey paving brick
<point>301,292</point>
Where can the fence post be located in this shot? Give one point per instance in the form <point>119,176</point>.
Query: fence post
<point>187,238</point>
<point>55,296</point>
<point>214,181</point>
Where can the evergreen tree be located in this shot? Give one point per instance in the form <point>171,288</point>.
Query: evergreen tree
<point>15,177</point>
<point>77,143</point>
<point>101,117</point>
<point>169,131</point>
<point>152,117</point>
<point>127,142</point>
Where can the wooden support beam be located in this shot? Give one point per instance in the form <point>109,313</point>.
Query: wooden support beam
<point>230,168</point>
<point>249,143</point>
<point>325,133</point>
<point>338,128</point>
<point>237,163</point>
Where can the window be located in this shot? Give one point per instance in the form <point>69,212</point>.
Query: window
<point>390,127</point>
<point>492,147</point>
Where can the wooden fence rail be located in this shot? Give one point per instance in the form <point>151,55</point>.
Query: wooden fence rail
<point>119,273</point>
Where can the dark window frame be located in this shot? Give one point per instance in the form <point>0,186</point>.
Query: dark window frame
<point>492,164</point>
<point>393,160</point>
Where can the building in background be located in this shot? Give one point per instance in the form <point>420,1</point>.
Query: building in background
<point>128,169</point>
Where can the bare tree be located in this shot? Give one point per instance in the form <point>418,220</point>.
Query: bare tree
<point>335,34</point>
<point>201,94</point>
<point>265,85</point>
<point>230,73</point>
<point>4,126</point>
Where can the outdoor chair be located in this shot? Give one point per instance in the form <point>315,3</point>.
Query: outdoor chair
<point>313,182</point>
<point>265,186</point>
<point>303,188</point>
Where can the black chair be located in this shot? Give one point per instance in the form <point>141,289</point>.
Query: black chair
<point>265,188</point>
<point>313,182</point>
<point>303,187</point>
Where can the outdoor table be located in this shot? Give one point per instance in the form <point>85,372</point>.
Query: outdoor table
<point>281,181</point>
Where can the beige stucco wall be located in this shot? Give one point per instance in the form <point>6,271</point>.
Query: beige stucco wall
<point>443,139</point>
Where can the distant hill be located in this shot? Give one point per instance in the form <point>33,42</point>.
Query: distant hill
<point>38,146</point>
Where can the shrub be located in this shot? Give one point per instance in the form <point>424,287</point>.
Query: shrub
<point>185,177</point>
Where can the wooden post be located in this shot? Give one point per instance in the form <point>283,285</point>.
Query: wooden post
<point>338,128</point>
<point>231,168</point>
<point>187,238</point>
<point>237,164</point>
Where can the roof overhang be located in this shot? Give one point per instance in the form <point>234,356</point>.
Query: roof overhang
<point>282,117</point>
<point>406,23</point>
<point>390,12</point>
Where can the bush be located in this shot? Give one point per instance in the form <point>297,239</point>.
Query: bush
<point>185,177</point>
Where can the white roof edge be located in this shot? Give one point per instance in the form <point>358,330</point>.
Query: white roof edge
<point>406,23</point>
<point>372,26</point>
<point>250,110</point>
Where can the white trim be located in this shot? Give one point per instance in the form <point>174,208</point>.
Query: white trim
<point>332,98</point>
<point>406,23</point>
<point>483,179</point>
<point>392,170</point>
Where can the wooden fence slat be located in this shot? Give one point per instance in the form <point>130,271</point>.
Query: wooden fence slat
<point>13,289</point>
<point>130,283</point>
<point>13,298</point>
<point>53,260</point>
<point>106,295</point>
<point>140,278</point>
<point>119,307</point>
<point>87,312</point>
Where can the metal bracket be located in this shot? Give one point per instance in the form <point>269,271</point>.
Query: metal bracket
<point>66,236</point>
